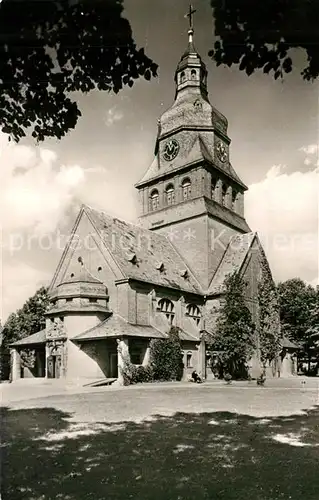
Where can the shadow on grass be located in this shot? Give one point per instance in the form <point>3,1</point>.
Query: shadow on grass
<point>217,455</point>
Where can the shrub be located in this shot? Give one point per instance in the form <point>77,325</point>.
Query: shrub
<point>140,374</point>
<point>166,357</point>
<point>133,374</point>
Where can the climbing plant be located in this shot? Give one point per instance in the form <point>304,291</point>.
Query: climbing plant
<point>28,358</point>
<point>269,317</point>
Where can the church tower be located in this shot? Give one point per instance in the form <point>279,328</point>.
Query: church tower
<point>191,193</point>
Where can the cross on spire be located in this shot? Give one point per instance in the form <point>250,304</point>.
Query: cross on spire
<point>190,13</point>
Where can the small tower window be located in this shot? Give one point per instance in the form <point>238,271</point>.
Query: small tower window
<point>154,200</point>
<point>213,189</point>
<point>233,200</point>
<point>193,311</point>
<point>170,195</point>
<point>193,74</point>
<point>183,77</point>
<point>166,306</point>
<point>224,192</point>
<point>187,189</point>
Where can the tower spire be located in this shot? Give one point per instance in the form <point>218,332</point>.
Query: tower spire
<point>191,12</point>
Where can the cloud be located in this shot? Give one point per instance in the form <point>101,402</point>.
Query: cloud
<point>38,197</point>
<point>34,189</point>
<point>18,282</point>
<point>283,208</point>
<point>312,154</point>
<point>311,149</point>
<point>113,115</point>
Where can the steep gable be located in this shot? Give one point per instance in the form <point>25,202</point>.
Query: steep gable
<point>232,261</point>
<point>237,258</point>
<point>85,243</point>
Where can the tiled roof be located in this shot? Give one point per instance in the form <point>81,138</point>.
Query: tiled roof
<point>116,326</point>
<point>187,336</point>
<point>287,344</point>
<point>123,239</point>
<point>232,261</point>
<point>226,215</point>
<point>82,277</point>
<point>35,338</point>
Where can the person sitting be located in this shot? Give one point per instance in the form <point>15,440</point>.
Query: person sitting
<point>196,378</point>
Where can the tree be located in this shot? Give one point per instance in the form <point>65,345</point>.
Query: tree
<point>312,343</point>
<point>260,36</point>
<point>296,299</point>
<point>50,49</point>
<point>269,317</point>
<point>234,337</point>
<point>27,320</point>
<point>313,320</point>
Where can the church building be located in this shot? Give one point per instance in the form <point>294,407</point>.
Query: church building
<point>119,285</point>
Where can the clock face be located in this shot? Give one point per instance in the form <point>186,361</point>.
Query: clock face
<point>171,149</point>
<point>221,151</point>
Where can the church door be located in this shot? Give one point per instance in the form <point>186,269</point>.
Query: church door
<point>57,367</point>
<point>50,365</point>
<point>54,366</point>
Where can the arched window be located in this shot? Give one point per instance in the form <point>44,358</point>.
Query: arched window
<point>233,200</point>
<point>170,195</point>
<point>187,189</point>
<point>193,74</point>
<point>183,76</point>
<point>224,192</point>
<point>154,200</point>
<point>166,306</point>
<point>193,311</point>
<point>189,359</point>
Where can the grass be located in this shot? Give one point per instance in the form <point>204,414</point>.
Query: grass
<point>165,443</point>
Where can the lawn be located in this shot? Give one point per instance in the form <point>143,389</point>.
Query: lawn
<point>166,442</point>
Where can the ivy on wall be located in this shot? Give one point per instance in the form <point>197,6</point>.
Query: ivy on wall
<point>269,318</point>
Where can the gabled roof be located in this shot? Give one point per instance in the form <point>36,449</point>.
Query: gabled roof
<point>122,239</point>
<point>35,338</point>
<point>232,261</point>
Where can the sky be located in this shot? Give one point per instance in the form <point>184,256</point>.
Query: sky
<point>273,126</point>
